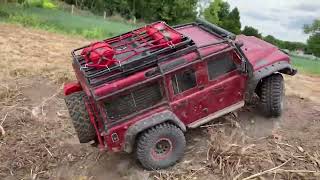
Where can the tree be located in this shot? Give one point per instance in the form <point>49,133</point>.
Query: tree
<point>251,31</point>
<point>314,39</point>
<point>173,12</point>
<point>211,14</point>
<point>314,27</point>
<point>314,44</point>
<point>224,10</point>
<point>232,22</point>
<point>272,40</point>
<point>178,11</point>
<point>292,46</point>
<point>219,13</point>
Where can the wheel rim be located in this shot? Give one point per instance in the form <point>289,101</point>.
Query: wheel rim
<point>162,149</point>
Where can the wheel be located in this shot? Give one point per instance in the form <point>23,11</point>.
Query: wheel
<point>80,117</point>
<point>160,146</point>
<point>272,95</point>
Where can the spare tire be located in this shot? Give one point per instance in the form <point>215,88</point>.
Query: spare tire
<point>80,117</point>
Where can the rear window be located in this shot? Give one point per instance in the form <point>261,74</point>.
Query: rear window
<point>134,101</point>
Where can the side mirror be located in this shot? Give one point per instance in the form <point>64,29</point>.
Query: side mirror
<point>243,66</point>
<point>239,44</point>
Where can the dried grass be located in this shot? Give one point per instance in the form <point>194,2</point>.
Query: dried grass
<point>28,148</point>
<point>30,145</point>
<point>233,155</point>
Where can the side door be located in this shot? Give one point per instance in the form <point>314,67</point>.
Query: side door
<point>226,84</point>
<point>187,98</point>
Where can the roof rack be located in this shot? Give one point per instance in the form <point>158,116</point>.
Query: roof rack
<point>146,58</point>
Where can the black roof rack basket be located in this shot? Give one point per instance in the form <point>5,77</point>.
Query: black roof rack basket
<point>147,59</point>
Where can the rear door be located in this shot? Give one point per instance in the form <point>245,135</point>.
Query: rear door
<point>188,100</point>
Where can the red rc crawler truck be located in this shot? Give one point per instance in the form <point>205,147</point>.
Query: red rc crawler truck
<point>140,91</point>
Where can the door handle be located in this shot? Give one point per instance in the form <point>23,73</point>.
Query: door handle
<point>218,90</point>
<point>205,110</point>
<point>201,87</point>
<point>182,104</point>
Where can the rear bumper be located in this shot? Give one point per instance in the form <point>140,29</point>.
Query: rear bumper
<point>71,87</point>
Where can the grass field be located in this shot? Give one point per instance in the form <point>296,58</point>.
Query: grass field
<point>57,20</point>
<point>306,65</point>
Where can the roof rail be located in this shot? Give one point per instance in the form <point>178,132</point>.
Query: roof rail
<point>216,29</point>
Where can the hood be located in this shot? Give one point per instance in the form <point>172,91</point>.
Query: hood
<point>261,53</point>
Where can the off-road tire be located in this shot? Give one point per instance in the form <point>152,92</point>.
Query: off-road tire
<point>272,95</point>
<point>80,117</point>
<point>147,141</point>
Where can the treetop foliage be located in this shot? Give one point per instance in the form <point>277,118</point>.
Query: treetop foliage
<point>251,31</point>
<point>286,44</point>
<point>314,27</point>
<point>211,13</point>
<point>219,13</point>
<point>314,39</point>
<point>171,11</point>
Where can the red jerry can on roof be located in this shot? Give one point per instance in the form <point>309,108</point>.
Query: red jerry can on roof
<point>105,54</point>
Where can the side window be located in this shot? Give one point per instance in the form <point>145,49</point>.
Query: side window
<point>220,65</point>
<point>183,81</point>
<point>133,101</point>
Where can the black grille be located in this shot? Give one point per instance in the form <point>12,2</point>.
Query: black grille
<point>134,101</point>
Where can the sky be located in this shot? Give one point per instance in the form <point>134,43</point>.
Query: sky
<point>283,19</point>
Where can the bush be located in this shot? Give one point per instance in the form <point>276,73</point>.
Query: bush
<point>92,33</point>
<point>33,3</point>
<point>25,20</point>
<point>3,13</point>
<point>47,4</point>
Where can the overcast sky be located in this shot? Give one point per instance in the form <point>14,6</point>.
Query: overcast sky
<point>283,19</point>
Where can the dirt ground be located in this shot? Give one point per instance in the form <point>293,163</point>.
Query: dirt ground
<point>38,141</point>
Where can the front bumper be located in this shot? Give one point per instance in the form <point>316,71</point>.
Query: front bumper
<point>293,72</point>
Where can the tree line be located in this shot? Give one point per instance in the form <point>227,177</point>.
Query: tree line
<point>171,11</point>
<point>311,47</point>
<point>251,31</point>
<point>181,11</point>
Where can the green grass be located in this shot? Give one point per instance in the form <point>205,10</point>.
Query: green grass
<point>307,66</point>
<point>57,20</point>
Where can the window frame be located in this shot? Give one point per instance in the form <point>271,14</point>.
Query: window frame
<point>213,58</point>
<point>174,76</point>
<point>174,97</point>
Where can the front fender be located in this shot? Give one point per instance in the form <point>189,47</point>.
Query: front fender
<point>278,67</point>
<point>151,121</point>
<point>281,66</point>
